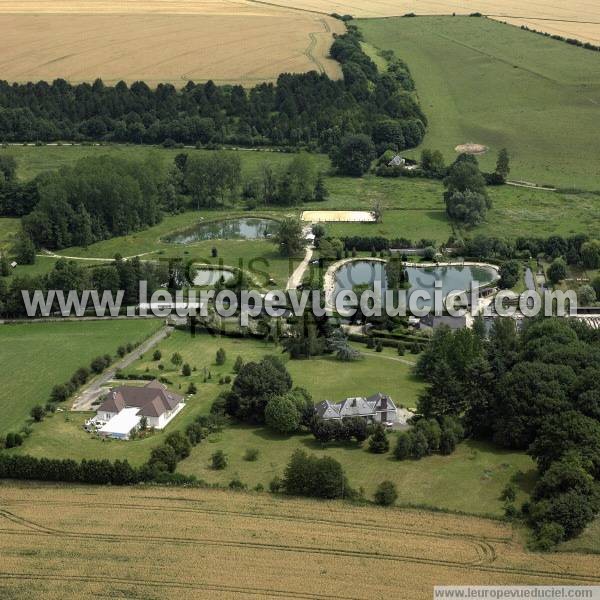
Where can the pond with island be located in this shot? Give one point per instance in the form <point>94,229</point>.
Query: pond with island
<point>373,274</point>
<point>244,228</point>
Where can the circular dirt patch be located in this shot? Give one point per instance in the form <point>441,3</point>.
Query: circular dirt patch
<point>471,149</point>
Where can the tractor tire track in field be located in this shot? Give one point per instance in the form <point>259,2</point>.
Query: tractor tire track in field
<point>478,565</point>
<point>310,51</point>
<point>482,555</point>
<point>469,566</point>
<point>176,584</point>
<point>483,544</point>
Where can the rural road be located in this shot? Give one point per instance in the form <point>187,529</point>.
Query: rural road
<point>296,278</point>
<point>97,387</point>
<point>49,254</point>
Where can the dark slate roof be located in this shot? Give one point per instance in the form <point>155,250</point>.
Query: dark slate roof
<point>324,406</point>
<point>437,321</point>
<point>153,399</point>
<point>381,402</point>
<point>356,407</point>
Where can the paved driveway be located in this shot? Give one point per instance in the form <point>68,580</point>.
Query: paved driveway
<point>99,386</point>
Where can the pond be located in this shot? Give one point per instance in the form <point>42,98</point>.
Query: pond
<point>420,278</point>
<point>246,228</point>
<point>209,277</point>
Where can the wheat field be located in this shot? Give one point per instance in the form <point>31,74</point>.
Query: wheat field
<point>152,542</point>
<point>579,19</point>
<point>228,41</point>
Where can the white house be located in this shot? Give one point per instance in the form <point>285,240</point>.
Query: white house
<point>378,408</point>
<point>125,406</point>
<point>397,161</point>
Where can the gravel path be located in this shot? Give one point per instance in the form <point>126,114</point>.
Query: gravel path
<point>296,277</point>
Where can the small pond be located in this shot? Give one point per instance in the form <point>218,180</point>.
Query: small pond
<point>420,278</point>
<point>209,277</point>
<point>250,228</point>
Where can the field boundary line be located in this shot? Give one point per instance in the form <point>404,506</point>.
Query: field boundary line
<point>542,19</point>
<point>498,58</point>
<point>291,8</point>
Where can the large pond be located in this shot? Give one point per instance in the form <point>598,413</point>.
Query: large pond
<point>210,277</point>
<point>373,273</point>
<point>250,228</point>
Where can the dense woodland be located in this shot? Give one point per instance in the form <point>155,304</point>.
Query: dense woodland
<point>299,110</point>
<point>537,391</point>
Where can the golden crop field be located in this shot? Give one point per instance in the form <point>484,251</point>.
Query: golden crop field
<point>228,41</point>
<point>579,19</point>
<point>151,542</point>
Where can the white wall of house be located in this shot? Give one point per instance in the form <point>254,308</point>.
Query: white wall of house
<point>105,416</point>
<point>390,416</point>
<point>162,421</point>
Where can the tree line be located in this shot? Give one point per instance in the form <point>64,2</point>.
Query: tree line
<point>307,109</point>
<point>97,198</point>
<point>113,276</point>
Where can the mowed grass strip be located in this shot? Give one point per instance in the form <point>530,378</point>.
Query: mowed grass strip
<point>8,228</point>
<point>485,82</point>
<point>37,356</point>
<point>33,160</point>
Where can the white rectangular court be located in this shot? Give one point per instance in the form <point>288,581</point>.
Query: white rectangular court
<point>338,216</point>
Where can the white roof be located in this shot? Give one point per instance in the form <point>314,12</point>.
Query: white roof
<point>341,216</point>
<point>124,422</point>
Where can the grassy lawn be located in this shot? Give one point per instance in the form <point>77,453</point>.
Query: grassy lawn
<point>478,472</point>
<point>484,82</point>
<point>470,480</point>
<point>33,160</point>
<point>413,209</point>
<point>37,356</point>
<point>521,212</point>
<point>8,227</point>
<point>259,257</point>
<point>588,541</point>
<point>364,377</point>
<point>62,436</point>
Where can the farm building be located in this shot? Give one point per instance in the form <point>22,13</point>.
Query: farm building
<point>125,406</point>
<point>378,408</point>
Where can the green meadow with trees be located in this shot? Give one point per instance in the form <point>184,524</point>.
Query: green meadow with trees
<point>36,357</point>
<point>481,81</point>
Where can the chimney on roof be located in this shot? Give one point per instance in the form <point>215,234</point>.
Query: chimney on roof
<point>353,401</point>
